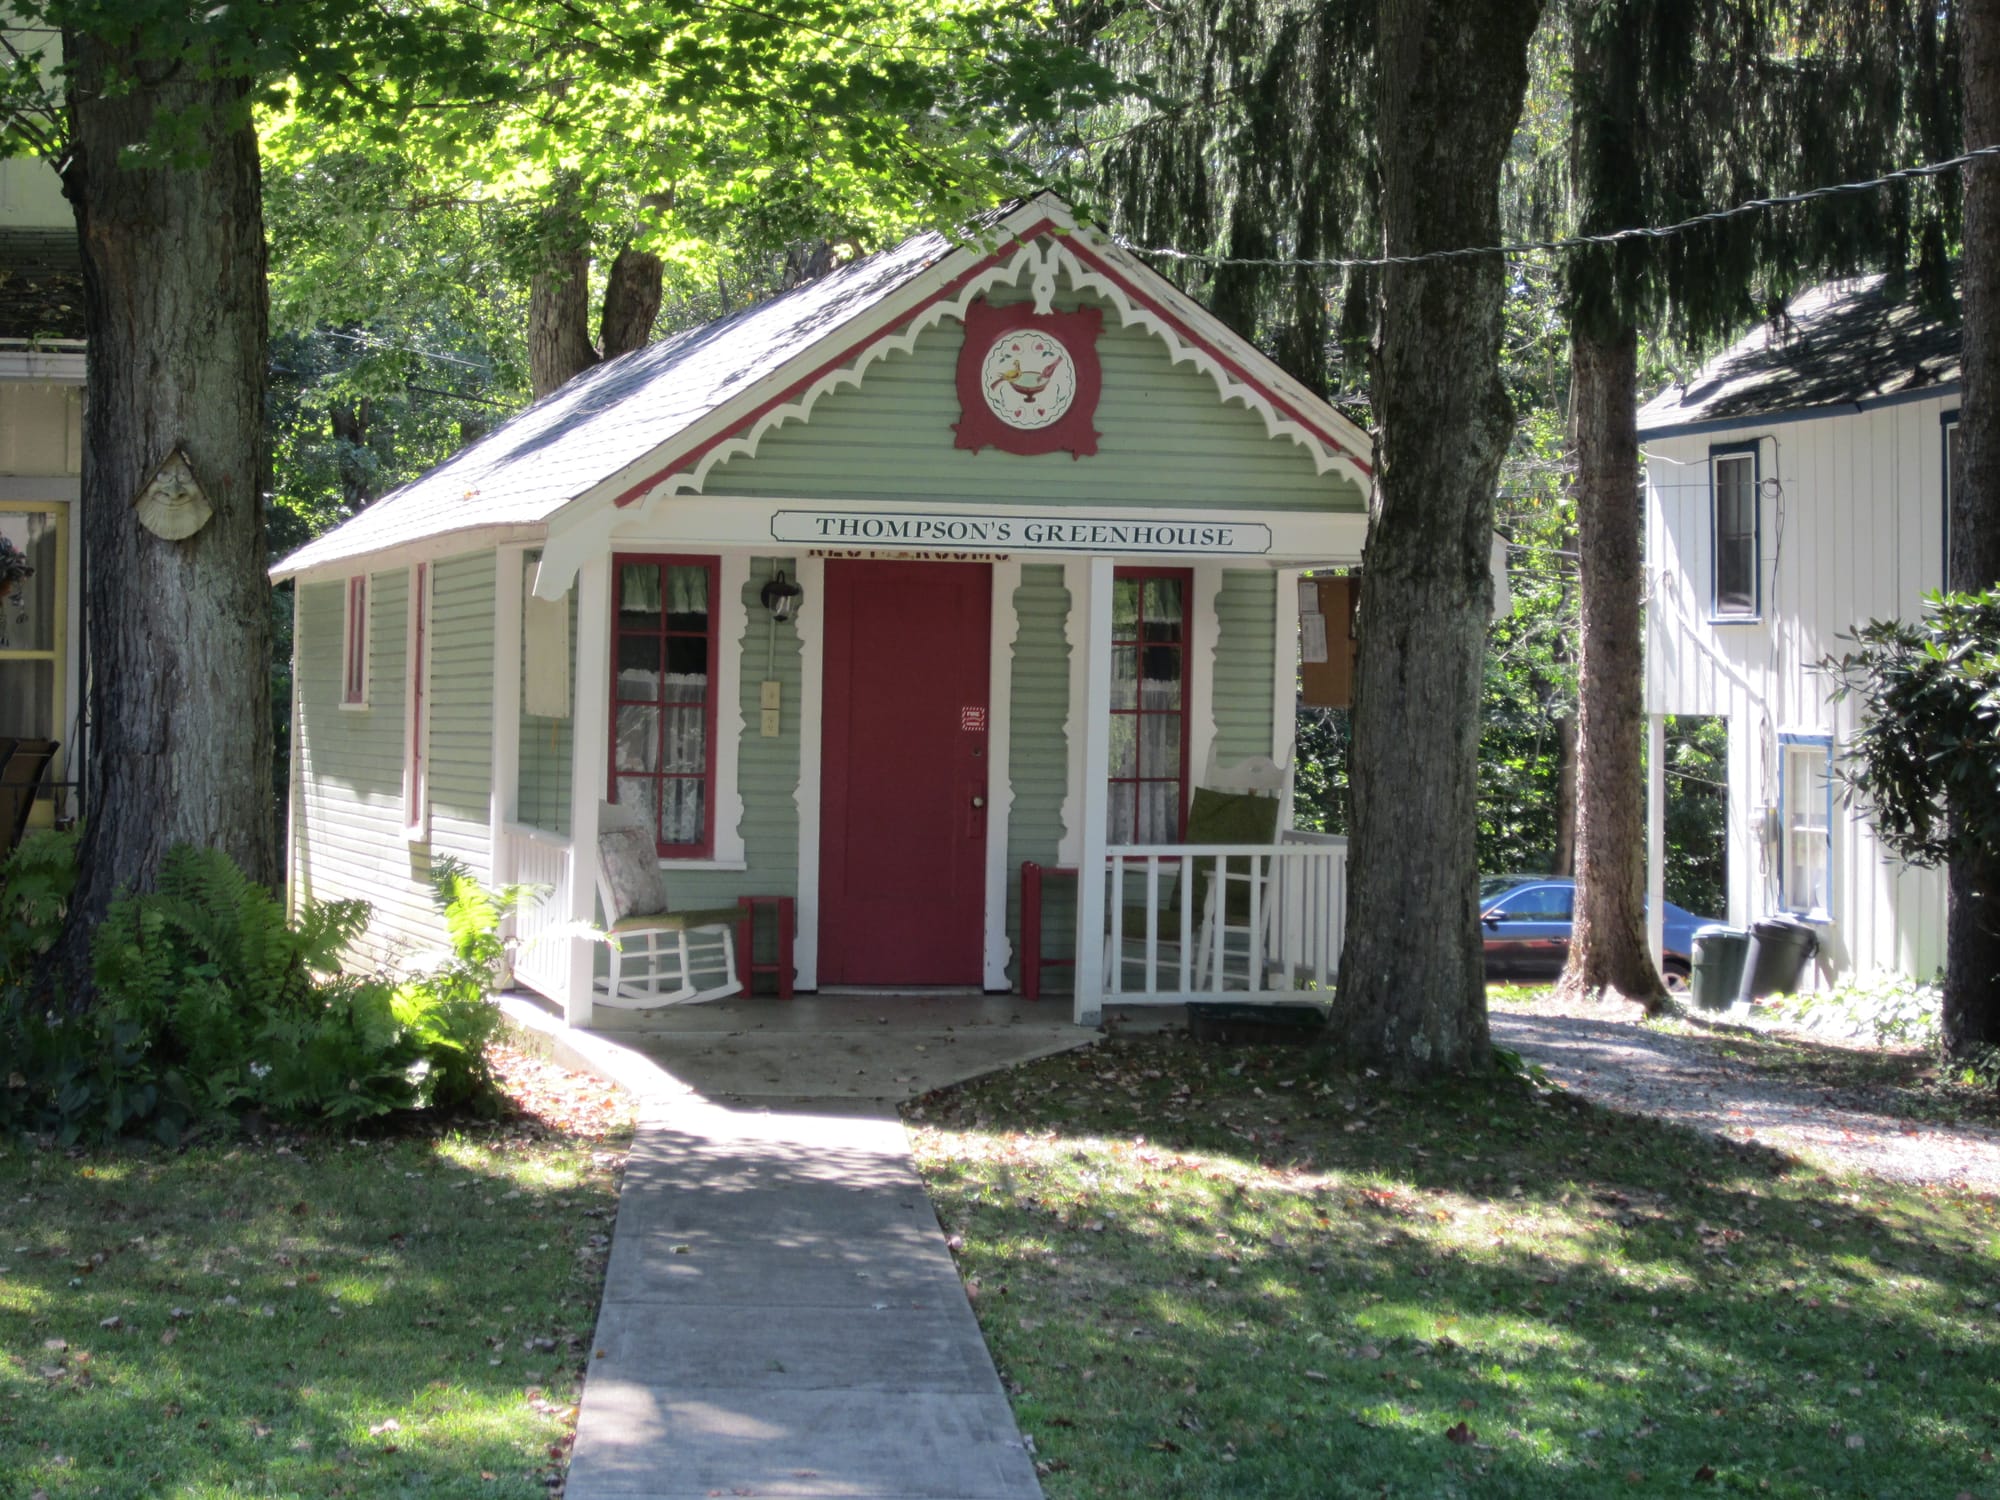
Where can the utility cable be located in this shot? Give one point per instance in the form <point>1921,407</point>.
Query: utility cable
<point>1576,241</point>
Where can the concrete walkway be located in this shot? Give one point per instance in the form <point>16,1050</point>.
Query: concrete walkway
<point>781,1315</point>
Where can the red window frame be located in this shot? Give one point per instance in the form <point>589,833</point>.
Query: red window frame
<point>354,687</point>
<point>1137,642</point>
<point>705,847</point>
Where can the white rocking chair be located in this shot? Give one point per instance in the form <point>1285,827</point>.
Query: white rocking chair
<point>686,957</point>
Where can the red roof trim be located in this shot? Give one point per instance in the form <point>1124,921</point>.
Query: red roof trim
<point>1021,237</point>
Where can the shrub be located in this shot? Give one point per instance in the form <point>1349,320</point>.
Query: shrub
<point>211,1002</point>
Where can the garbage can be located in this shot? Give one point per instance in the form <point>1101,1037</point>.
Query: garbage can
<point>1719,952</point>
<point>1779,948</point>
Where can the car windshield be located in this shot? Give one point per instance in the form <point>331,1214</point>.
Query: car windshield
<point>1492,885</point>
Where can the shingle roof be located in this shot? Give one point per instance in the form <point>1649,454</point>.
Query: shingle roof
<point>1840,344</point>
<point>610,416</point>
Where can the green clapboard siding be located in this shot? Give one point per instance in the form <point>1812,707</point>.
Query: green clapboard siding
<point>1245,608</point>
<point>1168,440</point>
<point>349,842</point>
<point>1037,759</point>
<point>542,784</point>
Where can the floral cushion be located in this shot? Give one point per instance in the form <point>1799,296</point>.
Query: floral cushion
<point>632,875</point>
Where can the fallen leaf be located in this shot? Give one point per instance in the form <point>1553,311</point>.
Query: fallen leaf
<point>1704,1475</point>
<point>1461,1433</point>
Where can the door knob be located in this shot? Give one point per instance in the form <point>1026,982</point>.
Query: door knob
<point>978,801</point>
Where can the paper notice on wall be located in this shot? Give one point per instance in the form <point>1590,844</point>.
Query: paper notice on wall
<point>1312,637</point>
<point>544,656</point>
<point>1308,597</point>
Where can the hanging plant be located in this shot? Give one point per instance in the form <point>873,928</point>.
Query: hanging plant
<point>14,566</point>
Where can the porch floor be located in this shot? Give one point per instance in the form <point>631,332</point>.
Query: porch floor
<point>859,1048</point>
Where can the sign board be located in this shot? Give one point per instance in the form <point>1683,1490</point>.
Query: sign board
<point>1196,536</point>
<point>1327,641</point>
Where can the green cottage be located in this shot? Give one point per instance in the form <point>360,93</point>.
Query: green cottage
<point>961,571</point>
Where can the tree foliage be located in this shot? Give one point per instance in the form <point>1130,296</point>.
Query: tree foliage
<point>1924,761</point>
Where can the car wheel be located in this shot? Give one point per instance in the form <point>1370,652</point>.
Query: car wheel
<point>1676,977</point>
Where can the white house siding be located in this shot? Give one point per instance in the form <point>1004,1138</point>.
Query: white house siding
<point>1853,531</point>
<point>41,429</point>
<point>891,439</point>
<point>1038,759</point>
<point>349,838</point>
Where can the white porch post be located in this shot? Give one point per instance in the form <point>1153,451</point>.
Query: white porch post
<point>1096,768</point>
<point>505,794</point>
<point>1003,632</point>
<point>1285,683</point>
<point>1656,836</point>
<point>589,747</point>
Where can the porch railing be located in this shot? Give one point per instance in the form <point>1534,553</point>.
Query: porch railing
<point>536,857</point>
<point>1239,921</point>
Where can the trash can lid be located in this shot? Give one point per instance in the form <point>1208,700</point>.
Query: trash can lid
<point>1782,921</point>
<point>1719,929</point>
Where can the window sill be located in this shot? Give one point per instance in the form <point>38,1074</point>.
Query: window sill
<point>1736,619</point>
<point>703,864</point>
<point>354,708</point>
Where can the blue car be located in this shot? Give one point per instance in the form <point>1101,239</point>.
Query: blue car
<point>1525,920</point>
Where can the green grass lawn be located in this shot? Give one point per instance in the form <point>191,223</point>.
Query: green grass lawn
<point>392,1316</point>
<point>1210,1272</point>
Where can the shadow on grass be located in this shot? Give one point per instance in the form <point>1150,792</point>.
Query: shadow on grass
<point>382,1316</point>
<point>1223,1274</point>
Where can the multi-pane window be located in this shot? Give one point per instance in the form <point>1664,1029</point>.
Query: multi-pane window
<point>32,564</point>
<point>354,653</point>
<point>1149,670</point>
<point>1735,478</point>
<point>663,699</point>
<point>1808,825</point>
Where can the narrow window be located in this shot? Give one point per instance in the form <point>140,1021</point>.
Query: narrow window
<point>663,699</point>
<point>1735,479</point>
<point>1952,444</point>
<point>354,654</point>
<point>1806,882</point>
<point>1149,705</point>
<point>417,710</point>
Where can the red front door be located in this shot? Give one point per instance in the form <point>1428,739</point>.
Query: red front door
<point>902,880</point>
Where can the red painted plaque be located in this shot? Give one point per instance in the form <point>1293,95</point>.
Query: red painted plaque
<point>1028,382</point>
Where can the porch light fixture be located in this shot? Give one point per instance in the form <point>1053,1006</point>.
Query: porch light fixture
<point>781,596</point>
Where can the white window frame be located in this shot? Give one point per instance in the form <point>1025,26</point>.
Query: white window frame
<point>1951,430</point>
<point>417,708</point>
<point>357,637</point>
<point>1805,757</point>
<point>1733,453</point>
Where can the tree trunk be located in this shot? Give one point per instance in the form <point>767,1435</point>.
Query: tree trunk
<point>1412,976</point>
<point>1607,949</point>
<point>1564,862</point>
<point>179,631</point>
<point>1972,934</point>
<point>632,297</point>
<point>559,320</point>
<point>351,457</point>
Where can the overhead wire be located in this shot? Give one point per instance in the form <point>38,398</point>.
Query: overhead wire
<point>1574,241</point>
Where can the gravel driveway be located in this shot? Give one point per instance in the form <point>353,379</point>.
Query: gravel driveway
<point>1626,1066</point>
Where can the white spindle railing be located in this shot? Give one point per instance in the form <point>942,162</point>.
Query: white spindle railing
<point>1275,936</point>
<point>536,857</point>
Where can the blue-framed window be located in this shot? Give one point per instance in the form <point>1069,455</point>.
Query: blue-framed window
<point>1951,463</point>
<point>1805,821</point>
<point>1735,533</point>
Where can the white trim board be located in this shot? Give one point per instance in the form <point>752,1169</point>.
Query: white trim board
<point>811,630</point>
<point>1003,635</point>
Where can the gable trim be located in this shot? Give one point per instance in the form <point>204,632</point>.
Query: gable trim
<point>1044,248</point>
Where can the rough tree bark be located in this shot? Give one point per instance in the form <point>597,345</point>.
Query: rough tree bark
<point>1607,951</point>
<point>1451,74</point>
<point>632,296</point>
<point>179,631</point>
<point>1564,862</point>
<point>1972,933</point>
<point>559,319</point>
